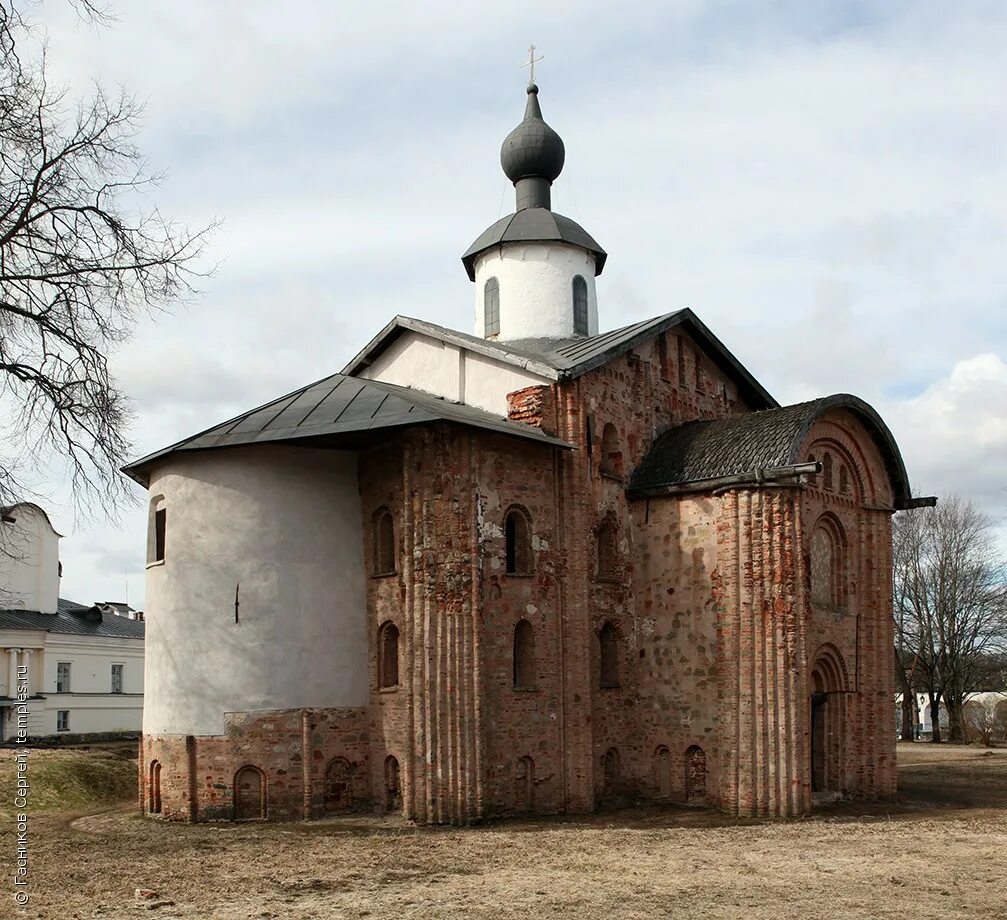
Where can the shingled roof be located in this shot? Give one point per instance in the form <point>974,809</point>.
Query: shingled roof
<point>339,412</point>
<point>566,359</point>
<point>700,453</point>
<point>73,619</point>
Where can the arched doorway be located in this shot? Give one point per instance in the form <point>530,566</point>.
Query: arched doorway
<point>828,684</point>
<point>154,787</point>
<point>393,789</point>
<point>249,794</point>
<point>695,774</point>
<point>338,795</point>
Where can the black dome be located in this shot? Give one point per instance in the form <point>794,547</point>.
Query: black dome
<point>532,149</point>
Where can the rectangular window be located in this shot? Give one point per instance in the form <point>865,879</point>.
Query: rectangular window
<point>62,676</point>
<point>117,678</point>
<point>160,524</point>
<point>62,720</point>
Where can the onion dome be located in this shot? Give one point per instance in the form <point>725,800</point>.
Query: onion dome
<point>532,149</point>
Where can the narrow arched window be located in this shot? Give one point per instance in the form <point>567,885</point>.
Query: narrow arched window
<point>524,656</point>
<point>491,308</point>
<point>388,655</point>
<point>608,550</point>
<point>611,456</point>
<point>608,640</point>
<point>844,480</point>
<point>517,537</point>
<point>157,528</point>
<point>827,470</point>
<point>580,324</point>
<point>384,543</point>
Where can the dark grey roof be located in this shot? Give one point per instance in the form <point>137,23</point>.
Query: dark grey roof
<point>340,412</point>
<point>75,620</point>
<point>559,359</point>
<point>701,452</point>
<point>534,225</point>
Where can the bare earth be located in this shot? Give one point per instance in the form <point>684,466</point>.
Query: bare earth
<point>940,851</point>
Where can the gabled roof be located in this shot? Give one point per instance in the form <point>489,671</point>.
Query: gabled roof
<point>566,359</point>
<point>74,620</point>
<point>339,412</point>
<point>533,225</point>
<point>703,452</point>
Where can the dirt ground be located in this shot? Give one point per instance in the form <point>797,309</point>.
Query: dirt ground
<point>940,851</point>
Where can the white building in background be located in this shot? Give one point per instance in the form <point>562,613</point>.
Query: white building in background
<point>84,664</point>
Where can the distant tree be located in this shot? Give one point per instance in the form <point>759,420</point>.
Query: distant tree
<point>950,604</point>
<point>81,256</point>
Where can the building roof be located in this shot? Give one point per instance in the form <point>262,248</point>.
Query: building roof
<point>705,451</point>
<point>8,514</point>
<point>533,225</point>
<point>338,412</point>
<point>566,359</point>
<point>74,619</point>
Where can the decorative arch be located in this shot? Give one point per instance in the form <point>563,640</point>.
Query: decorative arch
<point>580,306</point>
<point>828,670</point>
<point>607,549</point>
<point>249,794</point>
<point>383,533</point>
<point>524,656</point>
<point>662,769</point>
<point>517,540</point>
<point>154,788</point>
<point>338,788</point>
<point>388,655</point>
<point>609,643</point>
<point>828,566</point>
<point>611,454</point>
<point>393,787</point>
<point>843,458</point>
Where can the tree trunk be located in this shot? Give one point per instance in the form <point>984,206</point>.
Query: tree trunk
<point>907,700</point>
<point>935,717</point>
<point>956,728</point>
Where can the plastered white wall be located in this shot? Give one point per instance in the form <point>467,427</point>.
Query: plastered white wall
<point>423,363</point>
<point>29,561</point>
<point>536,289</point>
<point>284,524</point>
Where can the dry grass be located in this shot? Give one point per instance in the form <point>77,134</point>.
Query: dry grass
<point>932,854</point>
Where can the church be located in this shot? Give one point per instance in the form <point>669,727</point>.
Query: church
<point>530,570</point>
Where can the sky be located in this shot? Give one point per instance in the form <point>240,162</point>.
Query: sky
<point>824,183</point>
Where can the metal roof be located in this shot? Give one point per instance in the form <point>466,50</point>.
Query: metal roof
<point>533,225</point>
<point>73,619</point>
<point>340,412</point>
<point>559,359</point>
<point>699,452</point>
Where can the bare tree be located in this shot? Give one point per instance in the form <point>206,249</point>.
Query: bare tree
<point>81,257</point>
<point>950,602</point>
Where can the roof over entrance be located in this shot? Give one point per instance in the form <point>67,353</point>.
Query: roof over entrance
<point>706,451</point>
<point>338,412</point>
<point>566,359</point>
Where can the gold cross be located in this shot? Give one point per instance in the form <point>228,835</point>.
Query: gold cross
<point>531,62</point>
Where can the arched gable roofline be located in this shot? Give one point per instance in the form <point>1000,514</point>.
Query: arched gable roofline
<point>735,449</point>
<point>880,434</point>
<point>8,514</point>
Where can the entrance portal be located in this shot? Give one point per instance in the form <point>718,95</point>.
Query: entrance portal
<point>828,722</point>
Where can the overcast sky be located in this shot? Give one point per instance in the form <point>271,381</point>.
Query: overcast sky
<point>825,184</point>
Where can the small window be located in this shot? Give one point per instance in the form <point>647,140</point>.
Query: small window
<point>580,321</point>
<point>844,480</point>
<point>157,527</point>
<point>517,536</point>
<point>117,678</point>
<point>524,656</point>
<point>609,641</point>
<point>62,720</point>
<point>384,543</point>
<point>491,308</point>
<point>608,550</point>
<point>388,655</point>
<point>62,676</point>
<point>611,456</point>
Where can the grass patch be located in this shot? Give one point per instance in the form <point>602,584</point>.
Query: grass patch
<point>68,780</point>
